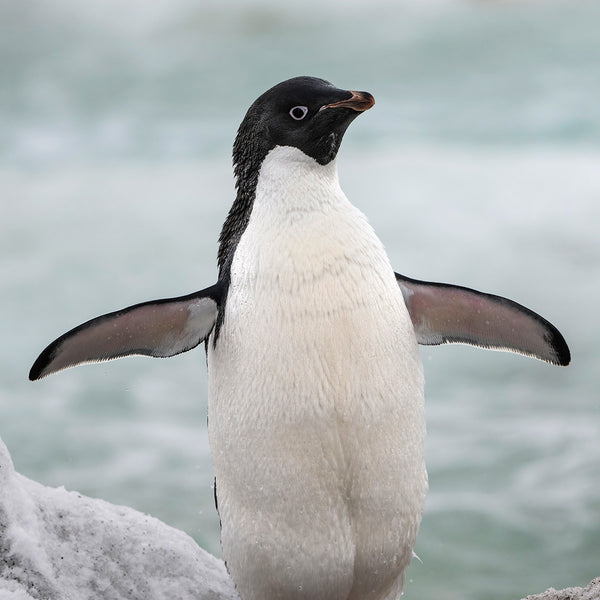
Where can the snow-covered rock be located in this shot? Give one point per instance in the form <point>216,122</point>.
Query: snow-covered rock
<point>590,592</point>
<point>56,544</point>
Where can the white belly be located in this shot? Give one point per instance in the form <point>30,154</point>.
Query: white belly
<point>316,417</point>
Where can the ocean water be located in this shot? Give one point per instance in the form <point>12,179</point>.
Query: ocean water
<point>479,165</point>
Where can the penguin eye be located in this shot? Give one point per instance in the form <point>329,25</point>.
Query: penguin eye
<point>298,112</point>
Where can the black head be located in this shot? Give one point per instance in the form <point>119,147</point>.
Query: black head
<point>307,113</point>
<point>304,112</point>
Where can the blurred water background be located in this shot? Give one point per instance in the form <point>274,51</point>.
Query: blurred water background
<point>479,165</point>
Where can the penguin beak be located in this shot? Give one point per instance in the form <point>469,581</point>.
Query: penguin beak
<point>358,101</point>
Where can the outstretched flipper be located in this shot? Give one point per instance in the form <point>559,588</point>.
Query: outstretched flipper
<point>446,314</point>
<point>158,328</point>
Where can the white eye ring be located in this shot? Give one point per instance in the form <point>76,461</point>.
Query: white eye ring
<point>298,112</point>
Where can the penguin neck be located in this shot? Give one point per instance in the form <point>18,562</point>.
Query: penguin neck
<point>287,179</point>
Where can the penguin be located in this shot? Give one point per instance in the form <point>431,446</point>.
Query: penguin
<point>316,406</point>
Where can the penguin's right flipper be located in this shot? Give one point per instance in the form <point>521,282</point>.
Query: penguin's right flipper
<point>157,328</point>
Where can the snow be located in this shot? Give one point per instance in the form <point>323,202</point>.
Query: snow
<point>56,544</point>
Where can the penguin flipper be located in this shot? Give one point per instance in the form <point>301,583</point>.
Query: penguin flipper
<point>158,328</point>
<point>444,314</point>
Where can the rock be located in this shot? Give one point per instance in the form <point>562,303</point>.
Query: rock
<point>56,544</point>
<point>591,592</point>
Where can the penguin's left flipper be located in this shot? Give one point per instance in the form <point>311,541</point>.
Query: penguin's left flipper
<point>158,328</point>
<point>446,314</point>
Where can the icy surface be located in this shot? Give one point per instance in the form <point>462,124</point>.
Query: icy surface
<point>56,544</point>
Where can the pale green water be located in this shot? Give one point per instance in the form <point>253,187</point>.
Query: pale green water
<point>479,165</point>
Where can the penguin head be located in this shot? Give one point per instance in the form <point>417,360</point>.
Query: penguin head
<point>306,113</point>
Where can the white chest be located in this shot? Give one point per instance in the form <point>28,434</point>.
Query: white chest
<point>313,298</point>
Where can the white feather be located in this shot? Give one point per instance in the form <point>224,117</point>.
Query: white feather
<point>316,418</point>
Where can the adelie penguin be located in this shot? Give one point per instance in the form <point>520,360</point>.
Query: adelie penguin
<point>316,417</point>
